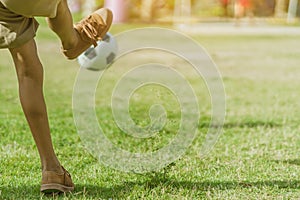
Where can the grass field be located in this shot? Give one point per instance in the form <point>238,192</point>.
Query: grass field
<point>257,157</point>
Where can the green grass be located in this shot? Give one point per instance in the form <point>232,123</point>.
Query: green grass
<point>257,157</point>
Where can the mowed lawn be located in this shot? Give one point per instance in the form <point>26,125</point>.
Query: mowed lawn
<point>257,157</point>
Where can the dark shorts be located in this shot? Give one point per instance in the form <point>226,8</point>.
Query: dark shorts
<point>15,29</point>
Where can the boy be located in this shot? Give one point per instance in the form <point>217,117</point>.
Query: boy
<point>17,32</point>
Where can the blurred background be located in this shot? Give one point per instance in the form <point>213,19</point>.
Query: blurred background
<point>194,11</point>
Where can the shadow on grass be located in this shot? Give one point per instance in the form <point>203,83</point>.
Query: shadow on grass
<point>169,185</point>
<point>126,188</point>
<point>244,124</point>
<point>289,161</point>
<point>20,191</point>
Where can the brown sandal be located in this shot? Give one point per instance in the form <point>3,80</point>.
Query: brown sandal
<point>54,182</point>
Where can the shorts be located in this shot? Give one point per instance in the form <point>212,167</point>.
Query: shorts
<point>17,23</point>
<point>33,8</point>
<point>15,30</point>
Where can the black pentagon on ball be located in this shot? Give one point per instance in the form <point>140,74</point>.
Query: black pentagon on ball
<point>106,38</point>
<point>110,58</point>
<point>90,53</point>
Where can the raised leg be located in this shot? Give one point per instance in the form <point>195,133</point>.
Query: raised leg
<point>76,39</point>
<point>62,25</point>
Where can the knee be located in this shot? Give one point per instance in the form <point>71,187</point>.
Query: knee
<point>27,62</point>
<point>30,72</point>
<point>28,68</point>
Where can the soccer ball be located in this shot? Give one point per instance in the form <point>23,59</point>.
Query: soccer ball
<point>99,57</point>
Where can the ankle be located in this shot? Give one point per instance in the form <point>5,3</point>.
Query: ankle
<point>71,42</point>
<point>52,167</point>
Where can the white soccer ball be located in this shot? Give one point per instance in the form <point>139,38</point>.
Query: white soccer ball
<point>99,57</point>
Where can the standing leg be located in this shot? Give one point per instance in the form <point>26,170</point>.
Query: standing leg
<point>30,77</point>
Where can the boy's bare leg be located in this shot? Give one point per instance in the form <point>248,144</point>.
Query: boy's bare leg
<point>30,77</point>
<point>62,25</point>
